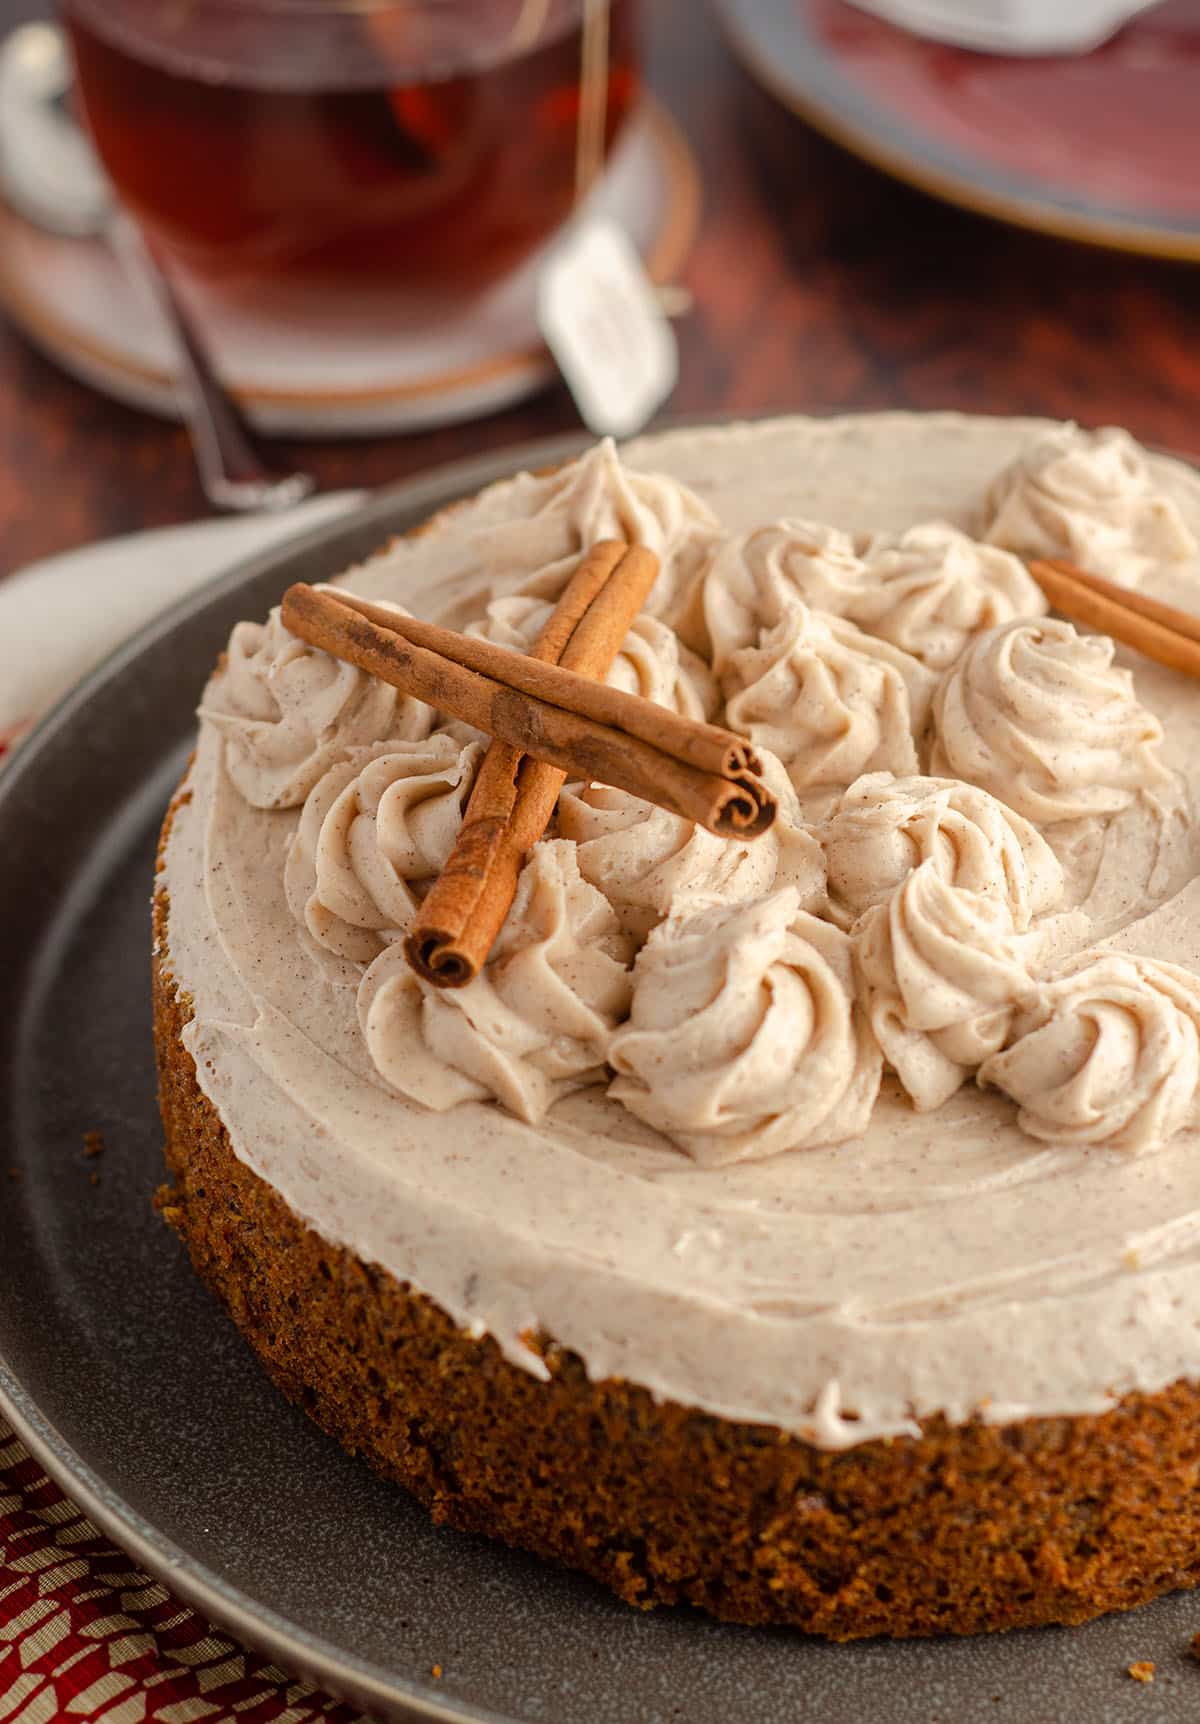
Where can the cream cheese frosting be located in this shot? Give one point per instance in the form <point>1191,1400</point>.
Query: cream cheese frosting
<point>828,700</point>
<point>1090,495</point>
<point>926,590</point>
<point>1107,1053</point>
<point>287,713</point>
<point>1040,715</point>
<point>943,969</point>
<point>538,1022</point>
<point>376,827</point>
<point>646,859</point>
<point>745,1035</point>
<point>952,1263</point>
<point>882,827</point>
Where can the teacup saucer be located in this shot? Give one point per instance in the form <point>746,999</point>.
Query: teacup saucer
<point>310,371</point>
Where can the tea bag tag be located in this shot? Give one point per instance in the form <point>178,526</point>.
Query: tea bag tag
<point>601,319</point>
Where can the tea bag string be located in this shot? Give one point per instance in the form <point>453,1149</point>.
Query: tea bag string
<point>593,81</point>
<point>593,97</point>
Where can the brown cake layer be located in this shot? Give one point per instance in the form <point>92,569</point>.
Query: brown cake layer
<point>966,1528</point>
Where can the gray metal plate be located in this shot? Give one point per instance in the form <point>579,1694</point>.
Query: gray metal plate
<point>137,1393</point>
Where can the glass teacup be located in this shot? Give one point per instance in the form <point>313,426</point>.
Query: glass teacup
<point>425,142</point>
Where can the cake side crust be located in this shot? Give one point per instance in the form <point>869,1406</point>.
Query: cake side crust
<point>965,1529</point>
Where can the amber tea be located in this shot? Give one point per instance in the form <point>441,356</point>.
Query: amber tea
<point>435,141</point>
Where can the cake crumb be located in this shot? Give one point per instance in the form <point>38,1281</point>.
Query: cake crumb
<point>1196,1645</point>
<point>14,1173</point>
<point>437,1672</point>
<point>93,1179</point>
<point>93,1143</point>
<point>1143,1670</point>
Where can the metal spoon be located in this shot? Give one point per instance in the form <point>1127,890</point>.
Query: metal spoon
<point>49,174</point>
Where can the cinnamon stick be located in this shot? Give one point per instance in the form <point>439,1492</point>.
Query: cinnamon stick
<point>1180,622</point>
<point>514,797</point>
<point>733,803</point>
<point>707,747</point>
<point>1161,632</point>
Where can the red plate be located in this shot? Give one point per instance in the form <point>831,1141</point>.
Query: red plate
<point>1102,147</point>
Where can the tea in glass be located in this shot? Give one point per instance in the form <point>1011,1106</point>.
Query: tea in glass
<point>425,141</point>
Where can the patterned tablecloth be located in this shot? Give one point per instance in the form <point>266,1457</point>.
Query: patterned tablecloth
<point>84,1634</point>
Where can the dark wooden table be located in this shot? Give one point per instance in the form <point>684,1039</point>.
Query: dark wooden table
<point>819,284</point>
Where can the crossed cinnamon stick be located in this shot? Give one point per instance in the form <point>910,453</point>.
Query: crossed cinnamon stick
<point>551,717</point>
<point>1160,631</point>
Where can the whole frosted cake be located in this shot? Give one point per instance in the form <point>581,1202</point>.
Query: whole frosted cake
<point>803,1227</point>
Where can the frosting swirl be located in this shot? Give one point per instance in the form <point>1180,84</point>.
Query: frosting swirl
<point>1089,495</point>
<point>1108,1053</point>
<point>932,588</point>
<point>830,701</point>
<point>927,590</point>
<point>287,711</point>
<point>883,827</point>
<point>534,1025</point>
<point>653,662</point>
<point>744,1039</point>
<point>380,822</point>
<point>647,860</point>
<point>943,969</point>
<point>755,581</point>
<point>1040,716</point>
<point>594,498</point>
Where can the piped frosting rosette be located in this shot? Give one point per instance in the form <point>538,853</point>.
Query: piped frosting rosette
<point>932,589</point>
<point>287,712</point>
<point>883,827</point>
<point>1108,1053</point>
<point>378,826</point>
<point>653,662</point>
<point>744,1038</point>
<point>644,859</point>
<point>553,518</point>
<point>828,700</point>
<point>1089,495</point>
<point>534,1025</point>
<point>927,590</point>
<point>755,580</point>
<point>943,970</point>
<point>1040,716</point>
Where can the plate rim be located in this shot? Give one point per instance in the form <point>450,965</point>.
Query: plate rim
<point>1027,211</point>
<point>344,1675</point>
